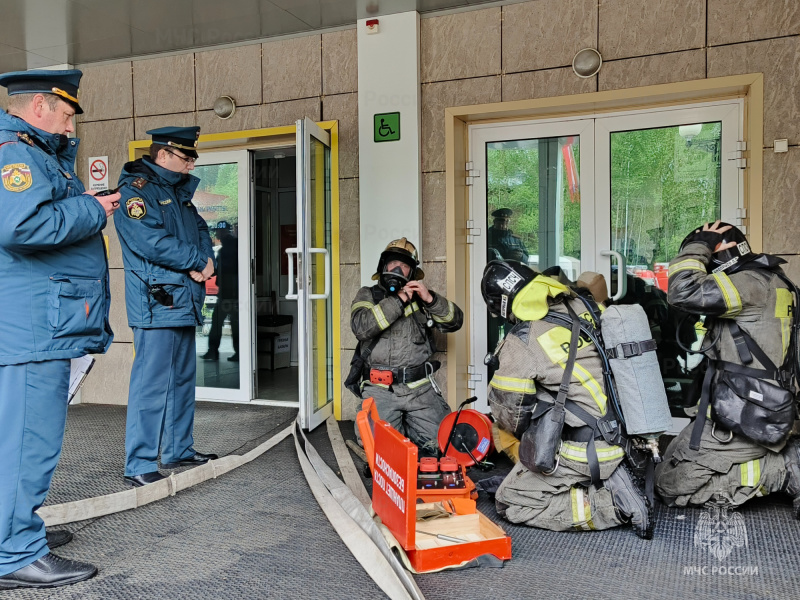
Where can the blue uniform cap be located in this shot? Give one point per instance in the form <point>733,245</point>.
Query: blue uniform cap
<point>183,138</point>
<point>223,226</point>
<point>63,84</point>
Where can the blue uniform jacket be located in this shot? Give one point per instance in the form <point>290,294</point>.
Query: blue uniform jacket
<point>54,292</point>
<point>162,238</point>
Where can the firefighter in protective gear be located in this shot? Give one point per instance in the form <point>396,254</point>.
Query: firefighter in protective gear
<point>532,360</point>
<point>393,321</point>
<point>716,274</point>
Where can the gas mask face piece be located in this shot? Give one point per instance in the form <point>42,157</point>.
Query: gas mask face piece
<point>393,281</point>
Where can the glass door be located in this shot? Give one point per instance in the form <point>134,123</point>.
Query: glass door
<point>224,341</point>
<point>311,262</point>
<point>528,192</point>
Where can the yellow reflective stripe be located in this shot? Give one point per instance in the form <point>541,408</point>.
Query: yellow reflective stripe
<point>591,385</point>
<point>418,383</point>
<point>411,308</point>
<point>581,510</point>
<point>750,473</point>
<point>578,454</point>
<point>513,384</point>
<point>380,317</point>
<point>450,314</point>
<point>762,491</point>
<point>783,310</point>
<point>690,264</point>
<point>730,294</point>
<point>382,385</point>
<point>358,305</point>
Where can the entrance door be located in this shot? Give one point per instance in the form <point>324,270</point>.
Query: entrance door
<point>311,261</point>
<point>224,341</point>
<point>615,195</point>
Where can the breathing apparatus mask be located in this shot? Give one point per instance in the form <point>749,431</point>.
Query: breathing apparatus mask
<point>393,280</point>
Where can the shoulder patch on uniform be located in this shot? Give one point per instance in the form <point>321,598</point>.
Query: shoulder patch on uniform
<point>139,183</point>
<point>165,202</point>
<point>136,208</point>
<point>25,138</point>
<point>16,177</point>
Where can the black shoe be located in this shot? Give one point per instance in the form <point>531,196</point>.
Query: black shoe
<point>144,479</point>
<point>234,357</point>
<point>791,458</point>
<point>48,571</point>
<point>630,501</point>
<point>57,538</point>
<point>198,459</point>
<point>211,355</point>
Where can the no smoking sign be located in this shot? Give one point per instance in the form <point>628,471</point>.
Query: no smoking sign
<point>98,173</point>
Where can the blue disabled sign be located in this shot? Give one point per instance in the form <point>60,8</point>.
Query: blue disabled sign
<point>387,127</point>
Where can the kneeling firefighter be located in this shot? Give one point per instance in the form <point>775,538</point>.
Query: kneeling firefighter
<point>552,389</point>
<point>393,363</point>
<point>739,445</point>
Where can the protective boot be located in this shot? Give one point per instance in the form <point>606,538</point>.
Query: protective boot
<point>631,503</point>
<point>791,456</point>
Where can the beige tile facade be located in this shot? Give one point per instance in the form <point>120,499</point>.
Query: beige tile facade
<point>732,21</point>
<point>234,72</point>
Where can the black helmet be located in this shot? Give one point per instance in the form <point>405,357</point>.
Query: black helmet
<point>731,259</point>
<point>501,281</point>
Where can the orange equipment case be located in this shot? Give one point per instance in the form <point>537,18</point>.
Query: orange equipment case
<point>443,542</point>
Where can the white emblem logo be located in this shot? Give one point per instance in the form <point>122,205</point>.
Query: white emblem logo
<point>720,532</point>
<point>510,281</point>
<point>744,248</point>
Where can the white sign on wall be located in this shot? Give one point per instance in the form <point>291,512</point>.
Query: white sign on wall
<point>98,173</point>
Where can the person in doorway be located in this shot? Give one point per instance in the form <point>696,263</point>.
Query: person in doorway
<point>502,243</point>
<point>589,485</point>
<point>168,256</point>
<point>393,321</point>
<point>55,297</point>
<point>228,293</point>
<point>725,457</point>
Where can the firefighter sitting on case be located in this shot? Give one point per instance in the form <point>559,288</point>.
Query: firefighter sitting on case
<point>394,321</point>
<point>532,364</point>
<point>738,447</point>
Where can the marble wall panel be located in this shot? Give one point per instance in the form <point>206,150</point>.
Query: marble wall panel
<point>779,61</point>
<point>792,268</point>
<point>234,72</point>
<point>107,92</point>
<point>781,209</point>
<point>278,114</point>
<point>118,316</point>
<point>434,218</point>
<point>349,222</point>
<point>349,284</point>
<point>634,28</point>
<point>731,21</point>
<point>436,276</point>
<point>547,33</point>
<point>350,403</point>
<point>292,68</point>
<point>163,85</point>
<point>110,378</point>
<point>3,98</point>
<point>142,125</point>
<point>114,249</point>
<point>339,62</point>
<point>652,70</point>
<point>344,108</point>
<point>245,117</point>
<point>449,48</point>
<point>438,96</point>
<point>545,84</point>
<point>104,138</point>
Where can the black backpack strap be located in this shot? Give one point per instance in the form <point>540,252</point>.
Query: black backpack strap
<point>702,408</point>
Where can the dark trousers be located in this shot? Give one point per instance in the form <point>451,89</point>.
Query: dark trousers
<point>224,308</point>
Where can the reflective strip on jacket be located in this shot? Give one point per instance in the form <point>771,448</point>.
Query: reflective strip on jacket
<point>55,291</point>
<point>163,238</point>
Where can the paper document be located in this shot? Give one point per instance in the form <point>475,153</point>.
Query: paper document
<point>79,369</point>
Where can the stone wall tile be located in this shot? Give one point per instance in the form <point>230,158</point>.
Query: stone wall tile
<point>104,138</point>
<point>350,403</point>
<point>635,28</point>
<point>118,316</point>
<point>245,117</point>
<point>438,96</point>
<point>278,114</point>
<point>349,284</point>
<point>107,92</point>
<point>731,21</point>
<point>163,85</point>
<point>344,108</point>
<point>144,124</point>
<point>234,72</point>
<point>546,84</point>
<point>292,68</point>
<point>339,62</point>
<point>349,222</point>
<point>781,191</point>
<point>448,48</point>
<point>653,70</point>
<point>547,33</point>
<point>110,378</point>
<point>434,221</point>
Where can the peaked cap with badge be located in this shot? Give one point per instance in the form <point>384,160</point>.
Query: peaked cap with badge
<point>182,138</point>
<point>63,84</point>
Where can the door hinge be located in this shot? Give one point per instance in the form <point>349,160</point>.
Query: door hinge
<point>741,215</point>
<point>738,155</point>
<point>472,232</point>
<point>474,376</point>
<point>472,173</point>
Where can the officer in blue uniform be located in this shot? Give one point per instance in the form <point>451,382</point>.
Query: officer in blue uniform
<point>503,244</point>
<point>55,300</point>
<point>168,256</point>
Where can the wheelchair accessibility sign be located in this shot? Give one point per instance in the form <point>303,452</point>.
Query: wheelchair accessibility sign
<point>387,127</point>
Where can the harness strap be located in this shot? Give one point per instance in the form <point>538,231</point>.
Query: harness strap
<point>702,409</point>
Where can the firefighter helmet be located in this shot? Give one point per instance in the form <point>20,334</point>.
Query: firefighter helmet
<point>501,281</point>
<point>404,251</point>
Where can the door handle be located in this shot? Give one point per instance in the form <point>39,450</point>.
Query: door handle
<point>327,266</point>
<point>290,293</point>
<point>622,274</point>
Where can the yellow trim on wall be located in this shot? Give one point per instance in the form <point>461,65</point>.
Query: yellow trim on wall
<point>749,87</point>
